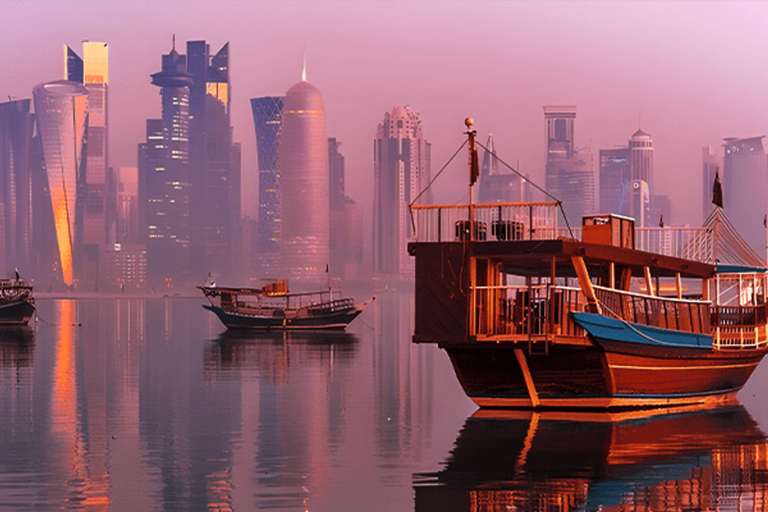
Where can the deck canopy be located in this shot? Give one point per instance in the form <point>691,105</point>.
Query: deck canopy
<point>534,258</point>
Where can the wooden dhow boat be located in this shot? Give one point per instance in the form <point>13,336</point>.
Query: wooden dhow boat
<point>608,316</point>
<point>272,307</point>
<point>17,304</point>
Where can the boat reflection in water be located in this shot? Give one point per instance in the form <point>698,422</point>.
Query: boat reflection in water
<point>713,459</point>
<point>241,349</point>
<point>17,346</point>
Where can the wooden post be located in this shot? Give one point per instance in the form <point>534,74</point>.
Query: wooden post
<point>529,384</point>
<point>586,284</point>
<point>649,281</point>
<point>679,283</point>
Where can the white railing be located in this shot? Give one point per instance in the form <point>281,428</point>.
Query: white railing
<point>492,221</point>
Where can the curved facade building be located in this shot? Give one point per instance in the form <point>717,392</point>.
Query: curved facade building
<point>303,156</point>
<point>60,107</point>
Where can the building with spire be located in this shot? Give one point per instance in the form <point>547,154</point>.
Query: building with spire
<point>401,171</point>
<point>189,170</point>
<point>60,109</point>
<point>164,180</point>
<point>497,185</point>
<point>569,174</point>
<point>304,185</point>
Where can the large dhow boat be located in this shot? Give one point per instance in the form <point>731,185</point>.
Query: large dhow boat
<point>606,316</point>
<point>17,305</point>
<point>272,307</point>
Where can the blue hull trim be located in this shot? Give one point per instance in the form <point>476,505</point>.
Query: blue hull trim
<point>606,328</point>
<point>338,320</point>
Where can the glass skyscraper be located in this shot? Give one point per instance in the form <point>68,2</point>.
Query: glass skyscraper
<point>60,108</point>
<point>569,174</point>
<point>189,169</point>
<point>401,169</point>
<point>16,190</point>
<point>303,154</point>
<point>267,119</point>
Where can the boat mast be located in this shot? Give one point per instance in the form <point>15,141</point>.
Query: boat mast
<point>473,171</point>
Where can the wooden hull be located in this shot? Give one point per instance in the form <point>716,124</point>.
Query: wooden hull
<point>16,313</point>
<point>610,373</point>
<point>333,321</point>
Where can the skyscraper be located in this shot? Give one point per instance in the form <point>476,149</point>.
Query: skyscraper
<point>346,223</point>
<point>60,108</point>
<point>401,170</point>
<point>745,189</point>
<point>497,185</point>
<point>615,177</point>
<point>93,220</point>
<point>164,180</point>
<point>620,171</point>
<point>190,169</point>
<point>569,174</point>
<point>303,156</point>
<point>267,119</point>
<point>214,163</point>
<point>16,207</point>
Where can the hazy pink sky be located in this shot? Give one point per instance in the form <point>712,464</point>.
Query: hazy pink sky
<point>688,73</point>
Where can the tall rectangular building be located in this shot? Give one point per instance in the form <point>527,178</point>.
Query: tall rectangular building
<point>497,185</point>
<point>401,166</point>
<point>92,71</point>
<point>214,162</point>
<point>16,190</point>
<point>615,178</point>
<point>267,120</point>
<point>569,174</point>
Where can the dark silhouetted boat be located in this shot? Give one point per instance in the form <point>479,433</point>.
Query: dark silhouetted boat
<point>608,316</point>
<point>272,307</point>
<point>17,305</point>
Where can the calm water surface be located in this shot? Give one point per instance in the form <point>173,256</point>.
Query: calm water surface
<point>150,405</point>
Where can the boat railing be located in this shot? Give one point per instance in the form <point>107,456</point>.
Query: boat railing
<point>331,307</point>
<point>739,326</point>
<point>491,222</point>
<point>533,313</point>
<point>663,312</point>
<point>680,242</point>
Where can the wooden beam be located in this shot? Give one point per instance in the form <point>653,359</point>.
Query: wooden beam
<point>648,281</point>
<point>611,275</point>
<point>532,394</point>
<point>586,284</point>
<point>679,285</point>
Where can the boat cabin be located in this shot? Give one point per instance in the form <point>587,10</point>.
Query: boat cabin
<point>518,282</point>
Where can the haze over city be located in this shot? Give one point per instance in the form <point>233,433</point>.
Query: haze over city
<point>688,73</point>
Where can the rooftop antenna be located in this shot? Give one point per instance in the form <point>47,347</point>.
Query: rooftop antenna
<point>304,68</point>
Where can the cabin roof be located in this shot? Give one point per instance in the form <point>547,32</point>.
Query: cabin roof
<point>534,258</point>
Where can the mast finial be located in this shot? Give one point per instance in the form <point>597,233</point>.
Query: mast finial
<point>304,68</point>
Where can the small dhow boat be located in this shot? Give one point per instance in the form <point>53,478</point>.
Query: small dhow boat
<point>272,307</point>
<point>17,305</point>
<point>608,316</point>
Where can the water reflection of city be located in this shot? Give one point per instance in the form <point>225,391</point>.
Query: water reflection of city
<point>696,460</point>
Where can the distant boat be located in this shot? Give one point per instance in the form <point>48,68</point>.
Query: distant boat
<point>534,317</point>
<point>17,305</point>
<point>274,308</point>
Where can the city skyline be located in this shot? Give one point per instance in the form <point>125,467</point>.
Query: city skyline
<point>680,82</point>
